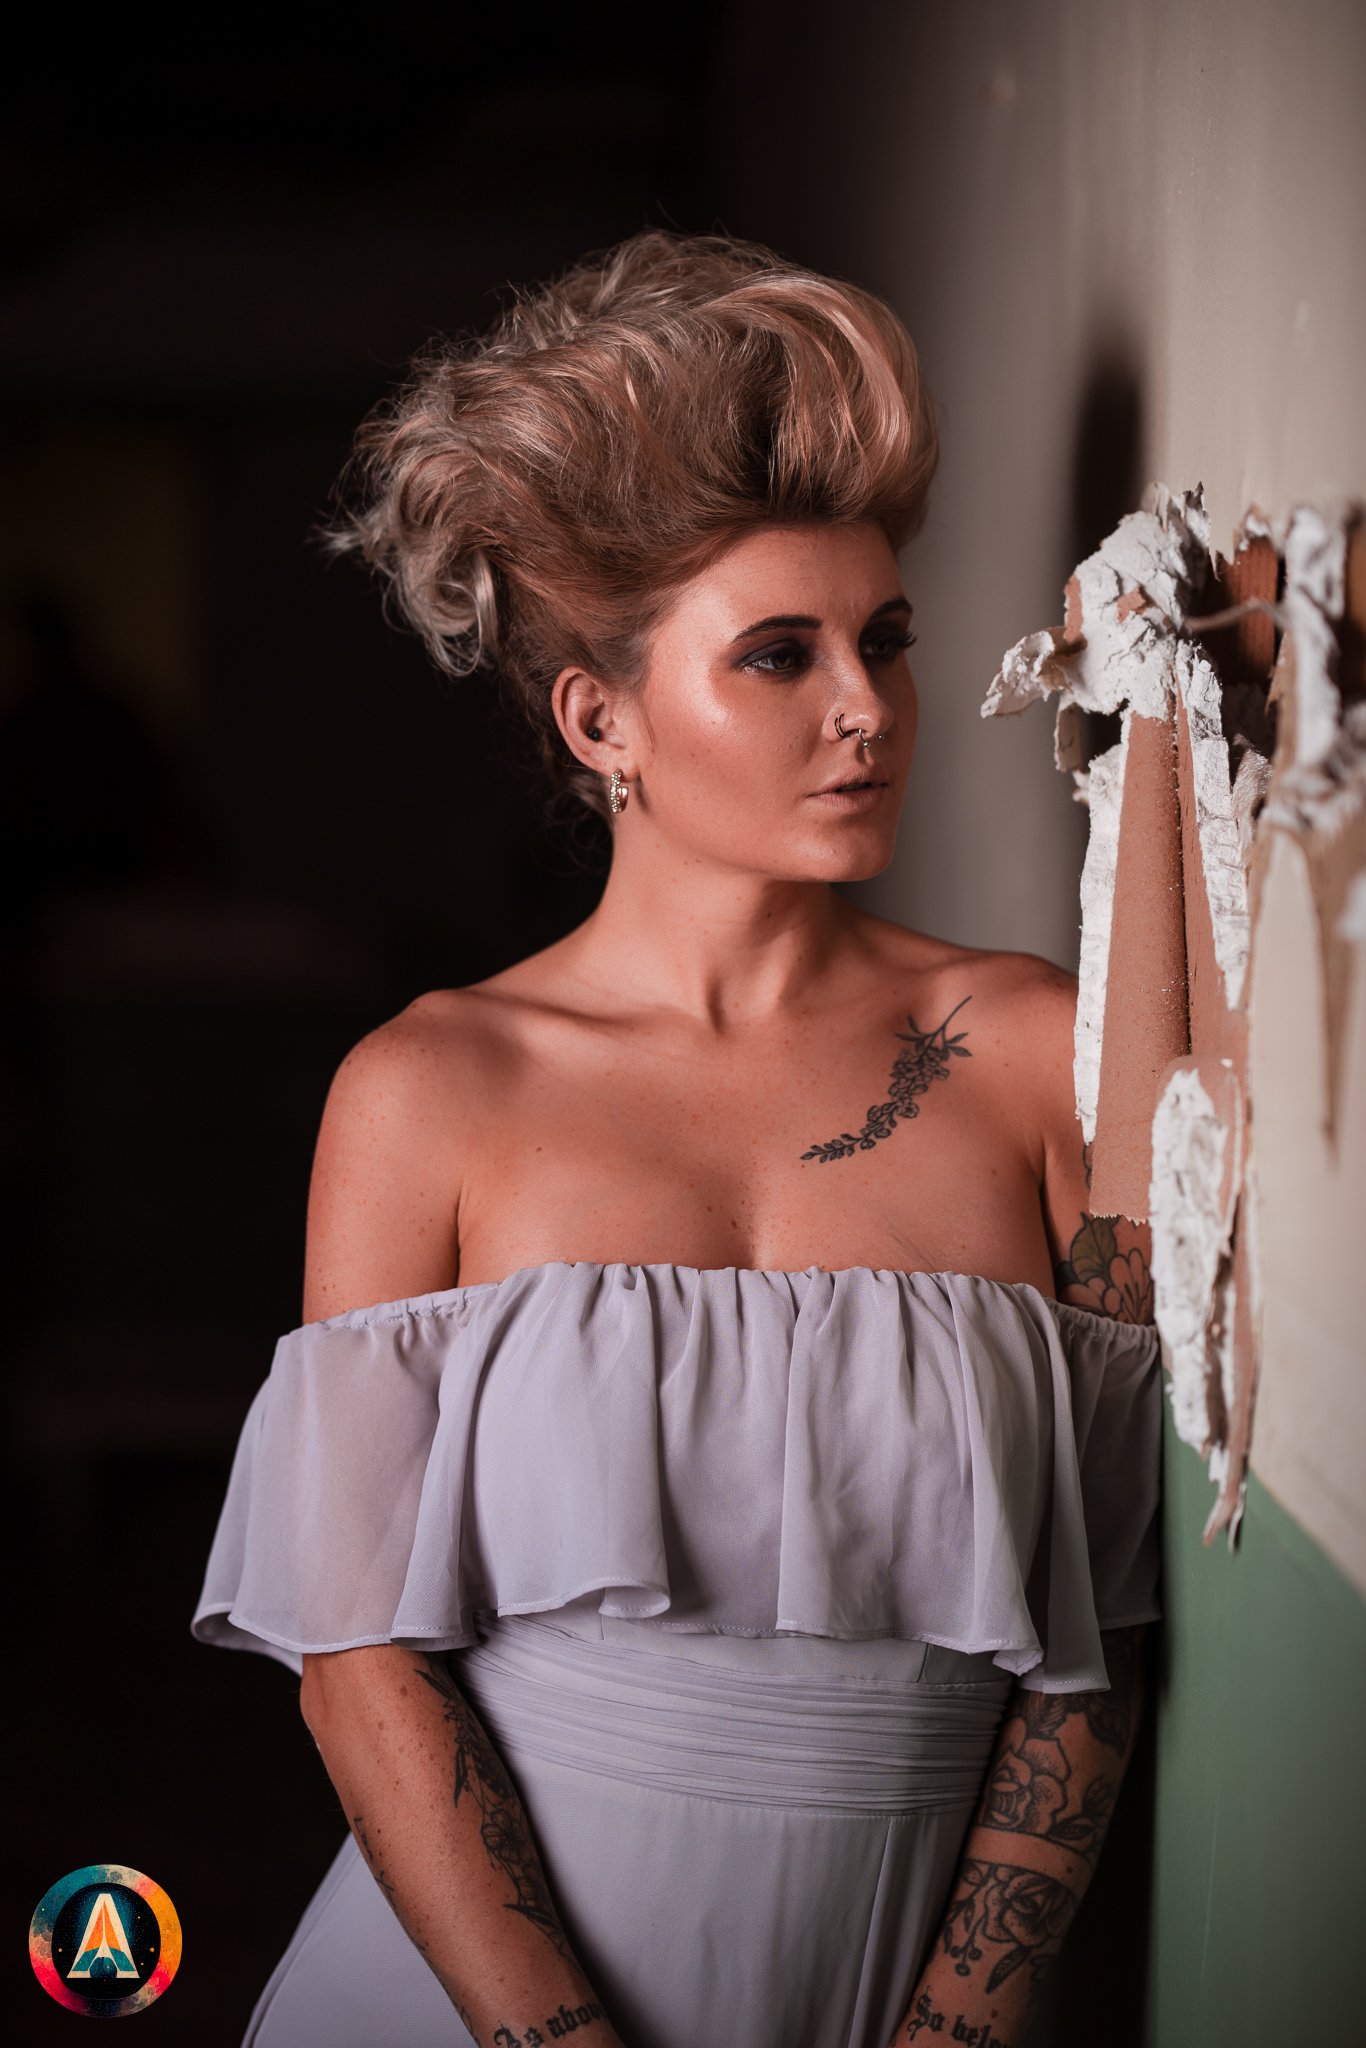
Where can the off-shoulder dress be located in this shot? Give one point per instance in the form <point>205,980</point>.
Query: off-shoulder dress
<point>739,1567</point>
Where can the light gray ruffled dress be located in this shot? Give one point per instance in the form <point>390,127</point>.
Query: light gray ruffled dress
<point>740,1567</point>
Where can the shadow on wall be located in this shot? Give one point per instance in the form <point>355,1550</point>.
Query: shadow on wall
<point>1107,472</point>
<point>1099,1994</point>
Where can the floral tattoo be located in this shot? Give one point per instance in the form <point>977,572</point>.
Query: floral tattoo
<point>1115,1282</point>
<point>925,1060</point>
<point>1016,1910</point>
<point>480,1773</point>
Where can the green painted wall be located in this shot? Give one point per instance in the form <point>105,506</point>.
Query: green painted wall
<point>1256,1931</point>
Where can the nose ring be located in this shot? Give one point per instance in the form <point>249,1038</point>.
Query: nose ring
<point>846,732</point>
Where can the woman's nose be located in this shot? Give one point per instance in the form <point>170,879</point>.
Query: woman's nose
<point>861,701</point>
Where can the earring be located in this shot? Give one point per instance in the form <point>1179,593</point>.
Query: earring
<point>595,732</point>
<point>616,792</point>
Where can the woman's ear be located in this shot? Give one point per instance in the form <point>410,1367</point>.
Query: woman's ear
<point>583,712</point>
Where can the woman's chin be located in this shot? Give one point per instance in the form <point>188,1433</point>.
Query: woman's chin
<point>852,857</point>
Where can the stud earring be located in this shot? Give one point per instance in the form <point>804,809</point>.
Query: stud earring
<point>595,732</point>
<point>616,792</point>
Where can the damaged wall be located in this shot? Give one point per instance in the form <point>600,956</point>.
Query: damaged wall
<point>1222,1099</point>
<point>1125,238</point>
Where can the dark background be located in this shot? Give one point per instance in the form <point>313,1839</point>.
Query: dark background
<point>241,820</point>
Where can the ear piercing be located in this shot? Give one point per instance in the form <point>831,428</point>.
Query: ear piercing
<point>616,788</point>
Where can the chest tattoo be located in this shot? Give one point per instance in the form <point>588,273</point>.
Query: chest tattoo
<point>925,1059</point>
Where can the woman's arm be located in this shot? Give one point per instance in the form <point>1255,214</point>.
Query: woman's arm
<point>439,1822</point>
<point>1029,1855</point>
<point>1099,1262</point>
<point>1060,1758</point>
<point>426,1794</point>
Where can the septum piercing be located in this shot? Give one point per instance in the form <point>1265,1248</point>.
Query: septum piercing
<point>846,732</point>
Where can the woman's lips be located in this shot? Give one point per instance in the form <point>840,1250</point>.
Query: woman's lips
<point>866,797</point>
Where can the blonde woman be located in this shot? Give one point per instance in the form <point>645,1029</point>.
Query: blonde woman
<point>711,1498</point>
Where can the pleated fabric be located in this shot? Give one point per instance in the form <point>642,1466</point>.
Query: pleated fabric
<point>738,1568</point>
<point>735,1858</point>
<point>852,1454</point>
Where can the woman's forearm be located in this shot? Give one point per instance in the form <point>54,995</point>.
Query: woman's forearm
<point>439,1822</point>
<point>1030,1854</point>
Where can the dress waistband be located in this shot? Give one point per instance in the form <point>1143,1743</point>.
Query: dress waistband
<point>686,1727</point>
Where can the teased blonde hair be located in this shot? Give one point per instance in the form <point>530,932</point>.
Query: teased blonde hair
<point>534,497</point>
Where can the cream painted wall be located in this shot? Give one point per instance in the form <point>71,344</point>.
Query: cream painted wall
<point>1121,232</point>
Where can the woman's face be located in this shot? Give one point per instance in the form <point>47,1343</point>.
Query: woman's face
<point>730,747</point>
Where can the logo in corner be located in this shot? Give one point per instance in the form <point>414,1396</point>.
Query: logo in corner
<point>104,1941</point>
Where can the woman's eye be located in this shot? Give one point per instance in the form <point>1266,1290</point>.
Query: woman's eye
<point>888,646</point>
<point>789,660</point>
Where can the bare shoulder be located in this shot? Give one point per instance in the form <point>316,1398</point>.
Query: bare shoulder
<point>1034,996</point>
<point>1021,994</point>
<point>401,1115</point>
<point>419,1059</point>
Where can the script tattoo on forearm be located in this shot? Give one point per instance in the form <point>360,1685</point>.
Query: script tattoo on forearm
<point>566,2020</point>
<point>925,1060</point>
<point>1012,1914</point>
<point>481,1774</point>
<point>928,2018</point>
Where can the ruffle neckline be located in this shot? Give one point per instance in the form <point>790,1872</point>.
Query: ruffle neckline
<point>847,1453</point>
<point>452,1297</point>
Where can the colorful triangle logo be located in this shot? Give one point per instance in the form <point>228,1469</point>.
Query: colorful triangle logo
<point>104,1944</point>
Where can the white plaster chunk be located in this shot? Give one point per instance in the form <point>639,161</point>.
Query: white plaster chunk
<point>1135,594</point>
<point>1315,547</point>
<point>1105,794</point>
<point>1221,850</point>
<point>1187,508</point>
<point>1032,670</point>
<point>1190,1235</point>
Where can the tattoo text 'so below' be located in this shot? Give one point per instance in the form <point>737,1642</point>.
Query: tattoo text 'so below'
<point>925,1060</point>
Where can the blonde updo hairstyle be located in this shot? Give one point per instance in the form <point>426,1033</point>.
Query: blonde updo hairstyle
<point>534,497</point>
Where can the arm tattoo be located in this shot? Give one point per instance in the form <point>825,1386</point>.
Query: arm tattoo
<point>926,2017</point>
<point>1030,1789</point>
<point>1116,1283</point>
<point>564,2021</point>
<point>1019,1911</point>
<point>376,1869</point>
<point>1051,1781</point>
<point>481,1772</point>
<point>385,1883</point>
<point>925,1060</point>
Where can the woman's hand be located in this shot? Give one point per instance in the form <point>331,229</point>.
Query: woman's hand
<point>1031,1851</point>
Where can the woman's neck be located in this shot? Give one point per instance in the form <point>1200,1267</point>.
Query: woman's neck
<point>727,949</point>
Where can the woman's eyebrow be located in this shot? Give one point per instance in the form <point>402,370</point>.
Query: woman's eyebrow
<point>789,619</point>
<point>893,604</point>
<point>778,619</point>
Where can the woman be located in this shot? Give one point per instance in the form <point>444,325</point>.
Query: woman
<point>715,1559</point>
